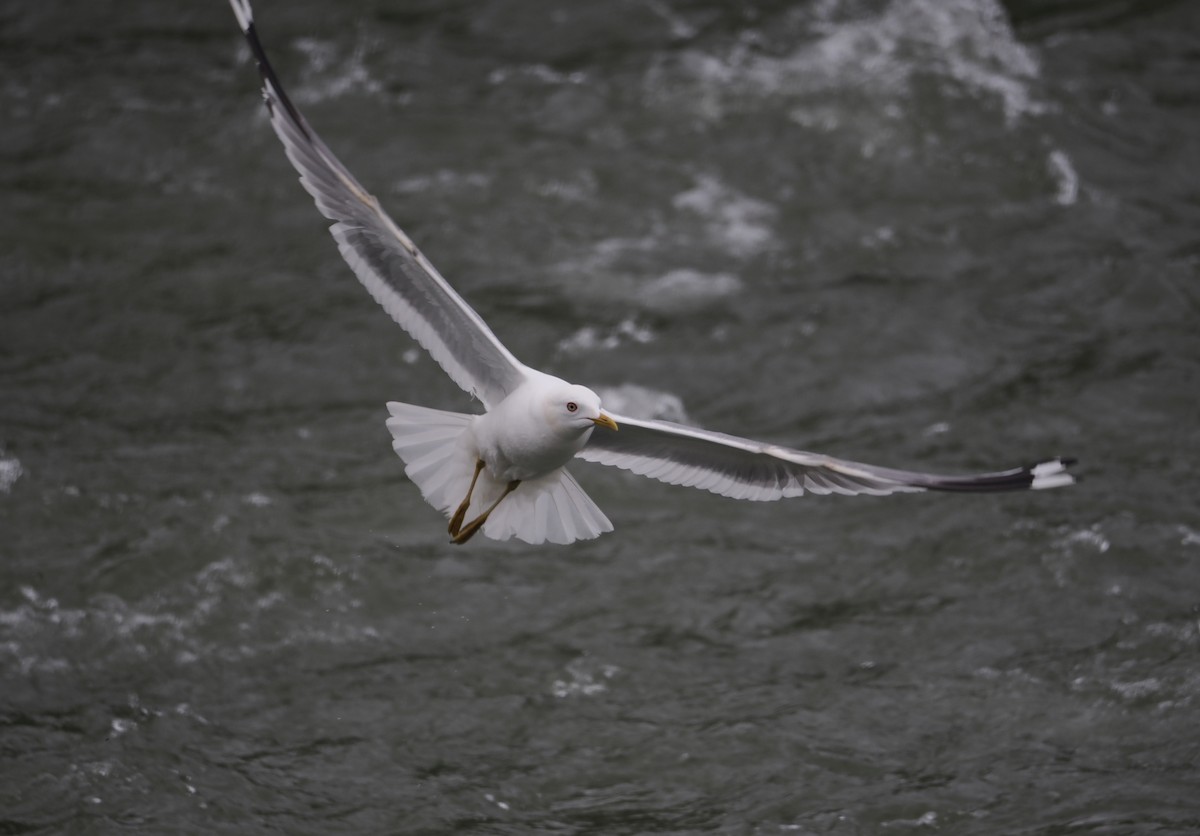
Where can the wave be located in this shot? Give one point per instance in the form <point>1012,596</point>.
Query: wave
<point>967,46</point>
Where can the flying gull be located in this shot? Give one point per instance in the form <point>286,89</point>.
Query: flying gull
<point>504,471</point>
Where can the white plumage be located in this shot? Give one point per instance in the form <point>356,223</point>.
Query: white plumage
<point>504,470</point>
<point>440,449</point>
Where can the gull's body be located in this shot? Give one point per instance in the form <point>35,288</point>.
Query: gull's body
<point>504,470</point>
<point>522,437</point>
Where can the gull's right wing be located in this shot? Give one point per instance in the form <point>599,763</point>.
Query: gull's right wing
<point>385,260</point>
<point>746,469</point>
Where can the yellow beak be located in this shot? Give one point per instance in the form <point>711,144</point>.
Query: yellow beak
<point>605,421</point>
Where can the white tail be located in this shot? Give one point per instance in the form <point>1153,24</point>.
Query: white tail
<point>552,507</point>
<point>439,457</point>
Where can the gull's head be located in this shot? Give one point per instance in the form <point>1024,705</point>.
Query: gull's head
<point>573,409</point>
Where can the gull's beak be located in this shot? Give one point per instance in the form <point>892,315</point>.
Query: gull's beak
<point>605,421</point>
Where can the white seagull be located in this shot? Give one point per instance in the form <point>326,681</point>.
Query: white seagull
<point>505,470</point>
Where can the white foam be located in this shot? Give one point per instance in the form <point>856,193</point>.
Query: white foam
<point>741,224</point>
<point>1065,178</point>
<point>537,72</point>
<point>503,805</point>
<point>684,291</point>
<point>10,472</point>
<point>587,679</point>
<point>679,27</point>
<point>336,75</point>
<point>641,402</point>
<point>969,42</point>
<point>1138,690</point>
<point>937,428</point>
<point>591,338</point>
<point>1092,537</point>
<point>444,180</point>
<point>39,633</point>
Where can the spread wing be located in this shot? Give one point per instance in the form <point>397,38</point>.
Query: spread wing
<point>385,260</point>
<point>745,469</point>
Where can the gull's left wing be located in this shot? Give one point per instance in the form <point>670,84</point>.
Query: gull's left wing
<point>385,260</point>
<point>745,469</point>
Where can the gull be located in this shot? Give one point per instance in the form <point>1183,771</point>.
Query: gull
<point>504,471</point>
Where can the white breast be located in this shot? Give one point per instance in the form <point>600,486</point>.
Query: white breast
<point>516,440</point>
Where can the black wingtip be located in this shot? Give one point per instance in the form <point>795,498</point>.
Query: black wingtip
<point>273,89</point>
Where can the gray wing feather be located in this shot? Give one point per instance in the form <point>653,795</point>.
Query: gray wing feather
<point>745,469</point>
<point>382,256</point>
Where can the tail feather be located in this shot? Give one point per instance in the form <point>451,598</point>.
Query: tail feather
<point>440,460</point>
<point>550,508</point>
<point>432,445</point>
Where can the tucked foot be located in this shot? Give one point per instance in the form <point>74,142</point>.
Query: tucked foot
<point>457,520</point>
<point>466,533</point>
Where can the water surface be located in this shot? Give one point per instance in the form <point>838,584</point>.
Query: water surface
<point>944,235</point>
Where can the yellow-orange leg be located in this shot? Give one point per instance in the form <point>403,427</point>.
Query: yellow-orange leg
<point>457,519</point>
<point>474,525</point>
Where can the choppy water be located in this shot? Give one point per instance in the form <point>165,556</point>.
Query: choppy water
<point>933,233</point>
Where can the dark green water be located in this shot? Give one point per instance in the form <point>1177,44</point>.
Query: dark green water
<point>940,234</point>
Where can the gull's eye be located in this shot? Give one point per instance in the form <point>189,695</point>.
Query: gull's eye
<point>572,406</point>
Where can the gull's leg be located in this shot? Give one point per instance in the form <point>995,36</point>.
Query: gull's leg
<point>457,519</point>
<point>477,523</point>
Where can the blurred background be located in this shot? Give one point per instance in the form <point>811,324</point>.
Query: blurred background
<point>947,235</point>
